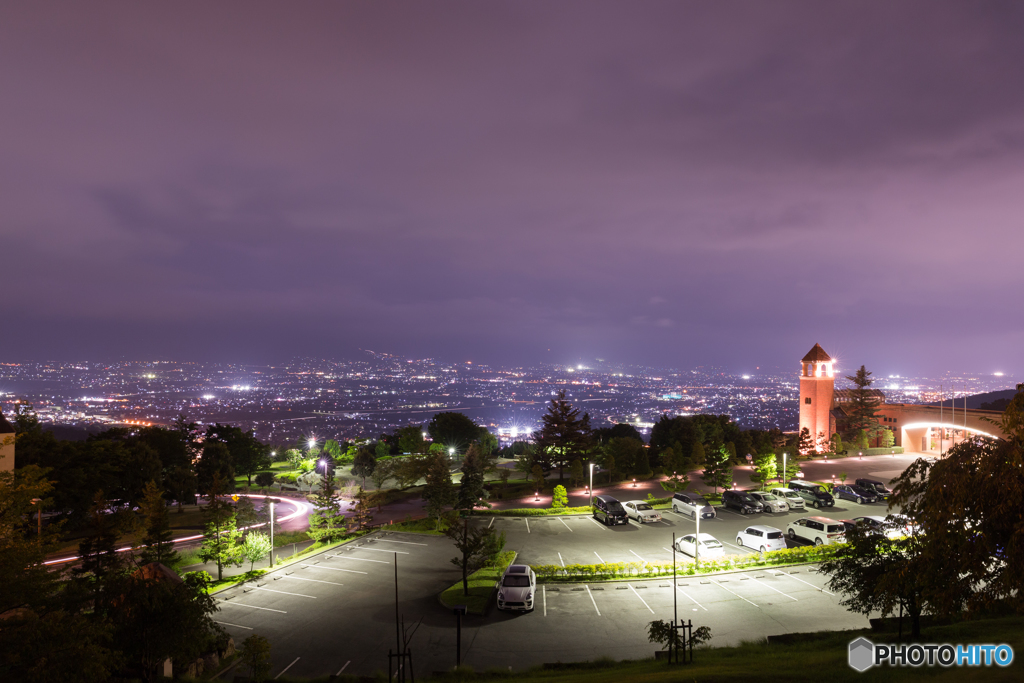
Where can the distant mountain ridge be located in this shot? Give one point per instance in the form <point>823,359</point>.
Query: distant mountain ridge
<point>975,402</point>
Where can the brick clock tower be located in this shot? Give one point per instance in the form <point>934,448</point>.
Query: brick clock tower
<point>817,384</point>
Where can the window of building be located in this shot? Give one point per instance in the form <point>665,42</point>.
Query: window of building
<point>807,400</point>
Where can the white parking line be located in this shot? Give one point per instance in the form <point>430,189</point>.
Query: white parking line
<point>247,628</point>
<point>715,583</point>
<point>379,550</point>
<point>388,540</point>
<point>343,668</point>
<point>752,578</point>
<point>740,548</point>
<point>298,595</point>
<point>527,524</point>
<point>286,668</point>
<point>356,559</point>
<point>299,578</point>
<point>802,581</point>
<point>544,593</point>
<point>691,599</point>
<point>642,559</point>
<point>242,604</point>
<point>563,523</point>
<point>561,560</point>
<point>490,522</point>
<point>333,569</point>
<point>592,600</point>
<point>641,599</point>
<point>598,523</point>
<point>599,557</point>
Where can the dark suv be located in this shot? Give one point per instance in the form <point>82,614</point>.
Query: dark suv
<point>875,486</point>
<point>741,501</point>
<point>814,494</point>
<point>609,511</point>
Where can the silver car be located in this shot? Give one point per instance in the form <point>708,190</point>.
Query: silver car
<point>518,585</point>
<point>792,498</point>
<point>771,502</point>
<point>641,511</point>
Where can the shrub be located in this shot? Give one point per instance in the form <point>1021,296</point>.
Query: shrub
<point>559,499</point>
<point>264,479</point>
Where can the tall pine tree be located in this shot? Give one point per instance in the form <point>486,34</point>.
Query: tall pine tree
<point>157,542</point>
<point>326,522</point>
<point>564,435</point>
<point>861,410</point>
<point>221,539</point>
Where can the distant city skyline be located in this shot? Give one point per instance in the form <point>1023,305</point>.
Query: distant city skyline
<point>665,183</point>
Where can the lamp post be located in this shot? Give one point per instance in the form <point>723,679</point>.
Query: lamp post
<point>591,485</point>
<point>38,502</point>
<point>783,470</point>
<point>271,533</point>
<point>860,455</point>
<point>451,453</point>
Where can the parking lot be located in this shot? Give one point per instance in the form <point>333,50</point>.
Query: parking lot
<point>336,612</point>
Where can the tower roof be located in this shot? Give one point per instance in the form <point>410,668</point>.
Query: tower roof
<point>816,355</point>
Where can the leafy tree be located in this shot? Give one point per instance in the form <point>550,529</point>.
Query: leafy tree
<point>664,634</point>
<point>967,505</point>
<point>504,473</point>
<point>837,443</point>
<point>157,542</point>
<point>672,461</point>
<point>333,449</point>
<point>806,444</point>
<point>862,408</point>
<point>525,460</point>
<point>453,430</point>
<point>487,443</point>
<point>215,464</point>
<point>221,536</point>
<point>576,474</point>
<point>255,547</point>
<point>625,453</point>
<point>264,480</point>
<point>382,450</point>
<point>101,562</point>
<point>564,435</point>
<point>537,475</point>
<point>641,465</point>
<point>717,471</point>
<point>560,498</point>
<point>621,430</point>
<point>255,657</point>
<point>411,468</point>
<point>765,469</point>
<point>410,439</point>
<point>248,456</point>
<point>326,522</point>
<point>610,465</point>
<point>361,515</point>
<point>471,487</point>
<point>476,545</point>
<point>876,573</point>
<point>383,469</point>
<point>365,462</point>
<point>888,439</point>
<point>439,492</point>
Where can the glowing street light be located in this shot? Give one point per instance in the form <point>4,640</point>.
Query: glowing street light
<point>311,443</point>
<point>591,485</point>
<point>634,483</point>
<point>536,496</point>
<point>860,455</point>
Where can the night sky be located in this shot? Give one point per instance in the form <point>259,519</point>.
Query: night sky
<point>654,183</point>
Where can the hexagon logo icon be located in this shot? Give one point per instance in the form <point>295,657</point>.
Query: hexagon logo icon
<point>862,654</point>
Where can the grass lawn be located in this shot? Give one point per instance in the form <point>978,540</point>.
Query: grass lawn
<point>814,657</point>
<point>481,586</point>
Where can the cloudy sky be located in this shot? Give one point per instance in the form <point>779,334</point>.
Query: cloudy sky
<point>660,183</point>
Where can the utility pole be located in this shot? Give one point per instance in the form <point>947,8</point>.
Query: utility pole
<point>271,533</point>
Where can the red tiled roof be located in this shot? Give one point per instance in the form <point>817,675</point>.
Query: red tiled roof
<point>816,355</point>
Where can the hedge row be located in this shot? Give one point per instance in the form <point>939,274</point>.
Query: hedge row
<point>536,512</point>
<point>611,570</point>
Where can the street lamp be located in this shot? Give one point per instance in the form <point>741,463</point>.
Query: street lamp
<point>38,502</point>
<point>591,485</point>
<point>536,496</point>
<point>271,533</point>
<point>860,455</point>
<point>310,443</point>
<point>783,470</point>
<point>634,483</point>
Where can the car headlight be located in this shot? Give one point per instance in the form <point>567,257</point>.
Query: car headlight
<point>501,596</point>
<point>529,596</point>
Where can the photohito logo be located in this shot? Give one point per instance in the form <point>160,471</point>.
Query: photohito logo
<point>864,654</point>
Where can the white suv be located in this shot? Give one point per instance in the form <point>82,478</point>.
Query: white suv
<point>791,497</point>
<point>761,537</point>
<point>817,530</point>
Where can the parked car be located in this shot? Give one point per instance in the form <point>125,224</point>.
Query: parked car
<point>791,497</point>
<point>609,511</point>
<point>692,504</point>
<point>741,501</point>
<point>641,511</point>
<point>854,493</point>
<point>771,502</point>
<point>816,530</point>
<point>518,585</point>
<point>813,494</point>
<point>710,547</point>
<point>761,537</point>
<point>878,487</point>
